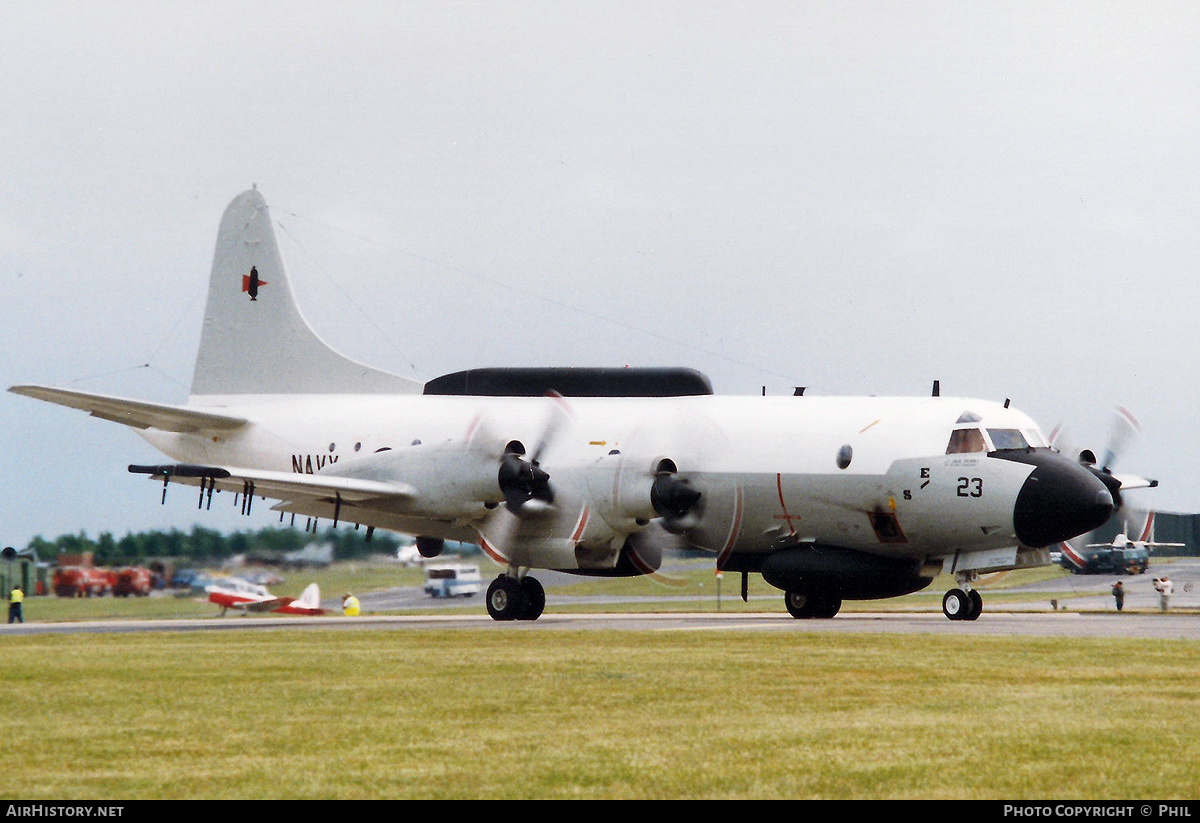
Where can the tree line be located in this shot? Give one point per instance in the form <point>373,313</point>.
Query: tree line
<point>202,546</point>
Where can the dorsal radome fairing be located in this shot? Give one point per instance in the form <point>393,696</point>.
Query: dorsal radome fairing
<point>254,340</point>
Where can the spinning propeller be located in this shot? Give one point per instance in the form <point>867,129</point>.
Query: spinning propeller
<point>525,485</point>
<point>523,482</point>
<point>1125,429</point>
<point>528,493</point>
<point>679,506</point>
<point>675,499</point>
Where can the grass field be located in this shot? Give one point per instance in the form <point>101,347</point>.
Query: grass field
<point>510,713</point>
<point>518,714</point>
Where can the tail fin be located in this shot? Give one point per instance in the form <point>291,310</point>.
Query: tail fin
<point>311,598</point>
<point>255,341</point>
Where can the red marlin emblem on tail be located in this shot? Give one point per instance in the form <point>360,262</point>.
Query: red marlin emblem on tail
<point>250,283</point>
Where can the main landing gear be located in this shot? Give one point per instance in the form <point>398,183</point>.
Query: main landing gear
<point>802,605</point>
<point>513,598</point>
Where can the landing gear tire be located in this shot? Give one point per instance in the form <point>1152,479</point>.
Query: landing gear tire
<point>830,606</point>
<point>803,606</point>
<point>961,605</point>
<point>504,598</point>
<point>798,604</point>
<point>955,604</point>
<point>535,599</point>
<point>510,599</point>
<point>976,605</point>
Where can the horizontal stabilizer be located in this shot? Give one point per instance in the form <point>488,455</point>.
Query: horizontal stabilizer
<point>136,413</point>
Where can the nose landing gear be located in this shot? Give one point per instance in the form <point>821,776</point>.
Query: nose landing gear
<point>962,603</point>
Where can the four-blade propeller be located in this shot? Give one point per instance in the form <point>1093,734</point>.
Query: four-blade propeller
<point>1124,430</point>
<point>523,482</point>
<point>528,492</point>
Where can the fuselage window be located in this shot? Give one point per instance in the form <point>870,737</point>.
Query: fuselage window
<point>1007,439</point>
<point>966,440</point>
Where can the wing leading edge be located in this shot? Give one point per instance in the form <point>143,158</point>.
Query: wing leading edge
<point>300,493</point>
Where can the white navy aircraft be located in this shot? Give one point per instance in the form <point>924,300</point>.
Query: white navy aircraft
<point>597,471</point>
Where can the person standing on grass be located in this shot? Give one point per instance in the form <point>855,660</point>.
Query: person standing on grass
<point>14,606</point>
<point>350,605</point>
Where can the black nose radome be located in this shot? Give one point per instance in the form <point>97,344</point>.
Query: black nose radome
<point>1060,499</point>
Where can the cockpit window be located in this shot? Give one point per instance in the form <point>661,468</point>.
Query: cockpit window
<point>966,440</point>
<point>1007,439</point>
<point>1035,439</point>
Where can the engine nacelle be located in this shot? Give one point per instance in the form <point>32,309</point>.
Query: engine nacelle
<point>447,481</point>
<point>619,490</point>
<point>641,553</point>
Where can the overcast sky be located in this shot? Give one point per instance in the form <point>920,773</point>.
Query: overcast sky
<point>859,198</point>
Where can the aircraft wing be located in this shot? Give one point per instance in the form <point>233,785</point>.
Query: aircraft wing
<point>298,492</point>
<point>266,605</point>
<point>136,413</point>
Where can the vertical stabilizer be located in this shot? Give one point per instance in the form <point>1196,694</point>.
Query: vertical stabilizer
<point>311,598</point>
<point>255,341</point>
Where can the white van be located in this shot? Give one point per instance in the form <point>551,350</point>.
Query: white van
<point>452,581</point>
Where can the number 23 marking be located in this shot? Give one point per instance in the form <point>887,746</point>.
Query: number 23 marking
<point>970,487</point>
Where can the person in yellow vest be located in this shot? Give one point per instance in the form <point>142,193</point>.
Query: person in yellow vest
<point>14,606</point>
<point>350,605</point>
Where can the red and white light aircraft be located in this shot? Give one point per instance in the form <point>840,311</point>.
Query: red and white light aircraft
<point>598,471</point>
<point>243,595</point>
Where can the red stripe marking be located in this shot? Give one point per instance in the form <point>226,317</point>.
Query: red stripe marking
<point>471,429</point>
<point>492,553</point>
<point>1149,529</point>
<point>581,525</point>
<point>562,402</point>
<point>1072,555</point>
<point>783,505</point>
<point>1128,417</point>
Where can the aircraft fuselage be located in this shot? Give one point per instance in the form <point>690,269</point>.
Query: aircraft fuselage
<point>868,474</point>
